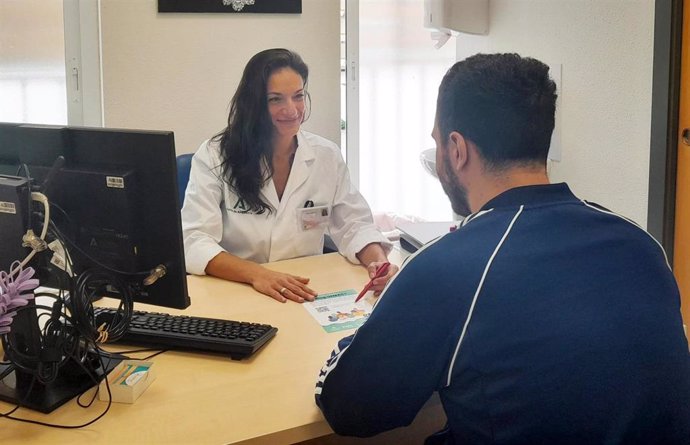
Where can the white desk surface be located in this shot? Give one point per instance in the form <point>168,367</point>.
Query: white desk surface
<point>201,398</point>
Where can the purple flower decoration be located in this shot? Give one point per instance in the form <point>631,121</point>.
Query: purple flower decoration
<point>15,293</point>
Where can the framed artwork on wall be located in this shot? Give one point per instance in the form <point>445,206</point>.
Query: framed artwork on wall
<point>232,6</point>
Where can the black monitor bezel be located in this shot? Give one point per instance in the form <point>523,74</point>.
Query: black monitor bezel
<point>150,153</point>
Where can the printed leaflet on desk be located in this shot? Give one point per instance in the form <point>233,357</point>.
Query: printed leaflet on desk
<point>337,311</point>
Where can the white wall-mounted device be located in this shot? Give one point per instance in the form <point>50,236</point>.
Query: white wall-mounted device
<point>445,16</point>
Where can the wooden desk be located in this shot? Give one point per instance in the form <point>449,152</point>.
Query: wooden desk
<point>201,398</point>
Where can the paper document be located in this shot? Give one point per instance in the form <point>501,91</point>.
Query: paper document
<point>337,311</point>
<point>415,234</point>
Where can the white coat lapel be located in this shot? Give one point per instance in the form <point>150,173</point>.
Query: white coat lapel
<point>269,191</point>
<point>301,166</point>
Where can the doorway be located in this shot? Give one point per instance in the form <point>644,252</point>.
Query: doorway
<point>681,244</point>
<point>392,72</point>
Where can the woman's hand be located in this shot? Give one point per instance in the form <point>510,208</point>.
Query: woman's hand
<point>282,286</point>
<point>379,283</point>
<point>277,285</point>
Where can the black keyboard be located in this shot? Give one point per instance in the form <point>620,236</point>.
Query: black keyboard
<point>236,338</point>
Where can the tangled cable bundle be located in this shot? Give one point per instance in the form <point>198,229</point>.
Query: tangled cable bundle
<point>90,285</point>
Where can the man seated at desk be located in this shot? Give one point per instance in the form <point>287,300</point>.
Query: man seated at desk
<point>543,318</point>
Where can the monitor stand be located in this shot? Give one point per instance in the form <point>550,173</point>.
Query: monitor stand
<point>72,380</point>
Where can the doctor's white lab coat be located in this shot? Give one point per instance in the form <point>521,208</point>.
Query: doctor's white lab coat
<point>214,219</point>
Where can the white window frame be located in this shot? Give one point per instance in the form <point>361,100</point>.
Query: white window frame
<point>352,88</point>
<point>83,68</point>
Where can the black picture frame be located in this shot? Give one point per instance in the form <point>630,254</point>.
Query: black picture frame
<point>226,6</point>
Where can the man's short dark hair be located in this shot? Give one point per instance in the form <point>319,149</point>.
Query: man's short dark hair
<point>503,103</point>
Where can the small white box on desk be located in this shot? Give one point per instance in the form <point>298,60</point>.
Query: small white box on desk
<point>127,381</point>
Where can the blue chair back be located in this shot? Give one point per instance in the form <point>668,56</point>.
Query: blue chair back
<point>184,164</point>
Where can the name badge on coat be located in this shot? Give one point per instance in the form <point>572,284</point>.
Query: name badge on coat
<point>309,218</point>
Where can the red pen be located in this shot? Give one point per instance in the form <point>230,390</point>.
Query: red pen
<point>381,271</point>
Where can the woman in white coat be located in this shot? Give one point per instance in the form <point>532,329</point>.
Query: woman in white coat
<point>264,190</point>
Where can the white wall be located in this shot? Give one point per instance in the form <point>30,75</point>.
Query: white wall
<point>179,71</point>
<point>605,48</point>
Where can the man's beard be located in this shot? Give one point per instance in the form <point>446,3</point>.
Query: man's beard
<point>457,194</point>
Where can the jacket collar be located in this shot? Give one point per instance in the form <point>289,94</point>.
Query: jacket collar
<point>531,195</point>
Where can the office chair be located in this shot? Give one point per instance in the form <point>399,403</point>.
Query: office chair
<point>328,244</point>
<point>184,164</point>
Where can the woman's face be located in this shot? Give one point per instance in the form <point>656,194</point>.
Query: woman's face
<point>285,91</point>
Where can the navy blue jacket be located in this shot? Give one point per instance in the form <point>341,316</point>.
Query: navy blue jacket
<point>542,319</point>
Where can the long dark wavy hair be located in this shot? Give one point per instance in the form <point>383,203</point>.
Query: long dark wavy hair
<point>245,144</point>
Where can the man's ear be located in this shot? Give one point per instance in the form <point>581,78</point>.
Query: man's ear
<point>457,151</point>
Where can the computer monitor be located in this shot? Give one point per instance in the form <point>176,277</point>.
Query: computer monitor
<point>114,200</point>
